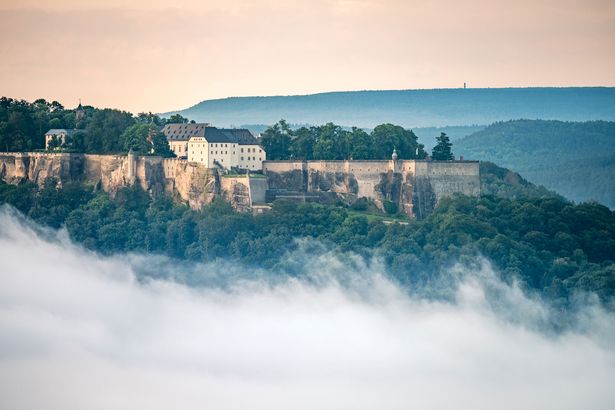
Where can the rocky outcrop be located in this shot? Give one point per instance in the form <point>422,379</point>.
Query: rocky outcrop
<point>412,187</point>
<point>189,182</point>
<point>192,183</point>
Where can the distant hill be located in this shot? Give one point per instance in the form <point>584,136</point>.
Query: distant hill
<point>576,159</point>
<point>412,108</point>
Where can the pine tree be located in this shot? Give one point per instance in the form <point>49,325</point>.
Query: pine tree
<point>442,150</point>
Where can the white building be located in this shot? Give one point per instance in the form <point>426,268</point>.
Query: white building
<point>216,147</point>
<point>59,135</point>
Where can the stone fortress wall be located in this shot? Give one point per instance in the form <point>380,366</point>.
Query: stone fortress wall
<point>414,186</point>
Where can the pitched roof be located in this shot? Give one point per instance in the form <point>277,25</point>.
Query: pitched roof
<point>183,132</point>
<point>241,136</point>
<point>58,131</point>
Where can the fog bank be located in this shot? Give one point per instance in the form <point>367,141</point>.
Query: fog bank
<point>80,331</point>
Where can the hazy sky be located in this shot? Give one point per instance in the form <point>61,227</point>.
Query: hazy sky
<point>156,55</point>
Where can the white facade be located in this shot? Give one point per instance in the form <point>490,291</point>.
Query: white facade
<point>215,147</point>
<point>180,148</point>
<point>250,157</point>
<point>225,154</point>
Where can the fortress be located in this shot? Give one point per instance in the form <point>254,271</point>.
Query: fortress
<point>413,187</point>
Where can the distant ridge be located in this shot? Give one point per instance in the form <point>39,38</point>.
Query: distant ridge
<point>576,159</point>
<point>412,108</point>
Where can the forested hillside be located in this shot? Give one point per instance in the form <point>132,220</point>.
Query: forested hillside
<point>576,159</point>
<point>530,235</point>
<point>411,108</point>
<point>23,126</point>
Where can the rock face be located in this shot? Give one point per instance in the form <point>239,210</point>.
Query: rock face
<point>188,182</point>
<point>413,187</point>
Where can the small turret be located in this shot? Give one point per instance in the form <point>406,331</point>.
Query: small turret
<point>79,112</point>
<point>131,165</point>
<point>394,156</point>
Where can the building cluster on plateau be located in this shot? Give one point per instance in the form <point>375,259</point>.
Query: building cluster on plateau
<point>215,147</point>
<point>205,154</point>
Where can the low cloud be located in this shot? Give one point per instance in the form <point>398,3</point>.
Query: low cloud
<point>81,331</point>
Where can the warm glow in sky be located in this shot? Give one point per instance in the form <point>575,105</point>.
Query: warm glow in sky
<point>157,55</point>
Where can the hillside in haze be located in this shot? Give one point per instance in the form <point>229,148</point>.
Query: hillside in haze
<point>576,159</point>
<point>411,108</point>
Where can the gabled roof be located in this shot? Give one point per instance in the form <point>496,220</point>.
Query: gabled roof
<point>240,136</point>
<point>58,131</point>
<point>183,132</point>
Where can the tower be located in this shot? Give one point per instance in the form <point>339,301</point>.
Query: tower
<point>394,156</point>
<point>132,166</point>
<point>79,112</point>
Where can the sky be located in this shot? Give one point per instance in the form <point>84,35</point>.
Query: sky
<point>79,331</point>
<point>166,55</point>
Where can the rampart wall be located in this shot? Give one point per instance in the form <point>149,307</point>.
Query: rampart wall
<point>414,187</point>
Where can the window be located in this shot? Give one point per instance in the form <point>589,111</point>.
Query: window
<point>242,158</point>
<point>242,151</point>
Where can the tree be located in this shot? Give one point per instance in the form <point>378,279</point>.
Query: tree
<point>276,140</point>
<point>149,118</point>
<point>442,150</point>
<point>177,119</point>
<point>161,145</point>
<point>137,138</point>
<point>332,143</point>
<point>104,130</point>
<point>302,145</point>
<point>387,137</point>
<point>361,144</point>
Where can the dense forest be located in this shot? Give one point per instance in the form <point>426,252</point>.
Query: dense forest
<point>576,159</point>
<point>412,108</point>
<point>332,142</point>
<point>427,135</point>
<point>23,126</point>
<point>531,235</point>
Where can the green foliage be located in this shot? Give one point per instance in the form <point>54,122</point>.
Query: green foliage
<point>576,159</point>
<point>442,150</point>
<point>276,141</point>
<point>504,183</point>
<point>386,137</point>
<point>177,119</point>
<point>23,124</point>
<point>105,129</point>
<point>137,138</point>
<point>390,207</point>
<point>545,243</point>
<point>161,145</point>
<point>332,142</point>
